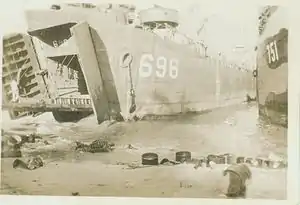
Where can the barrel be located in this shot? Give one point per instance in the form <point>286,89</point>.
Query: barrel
<point>183,156</point>
<point>150,159</point>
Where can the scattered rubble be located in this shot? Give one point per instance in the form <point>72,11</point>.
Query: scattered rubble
<point>250,99</point>
<point>10,151</point>
<point>185,185</point>
<point>10,147</point>
<point>131,147</point>
<point>166,161</point>
<point>14,139</point>
<point>75,194</point>
<point>19,164</point>
<point>96,146</point>
<point>32,138</point>
<point>31,164</point>
<point>202,162</point>
<point>34,144</point>
<point>133,165</point>
<point>16,146</point>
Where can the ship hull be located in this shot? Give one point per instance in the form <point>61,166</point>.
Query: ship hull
<point>166,78</point>
<point>272,70</point>
<point>133,72</point>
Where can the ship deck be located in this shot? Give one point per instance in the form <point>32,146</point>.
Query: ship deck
<point>48,105</point>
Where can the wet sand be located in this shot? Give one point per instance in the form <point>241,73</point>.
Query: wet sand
<point>233,130</point>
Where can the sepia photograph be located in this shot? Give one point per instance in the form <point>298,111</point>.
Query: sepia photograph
<point>145,99</point>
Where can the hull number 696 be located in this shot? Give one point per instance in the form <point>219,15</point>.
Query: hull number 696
<point>160,66</point>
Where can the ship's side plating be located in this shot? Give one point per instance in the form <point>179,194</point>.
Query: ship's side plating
<point>166,78</point>
<point>272,65</point>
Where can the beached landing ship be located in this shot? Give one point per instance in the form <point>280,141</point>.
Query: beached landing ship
<point>132,66</point>
<point>272,65</point>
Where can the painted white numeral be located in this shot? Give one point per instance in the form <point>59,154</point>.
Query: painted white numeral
<point>145,68</point>
<point>57,43</point>
<point>161,64</point>
<point>174,68</point>
<point>272,52</point>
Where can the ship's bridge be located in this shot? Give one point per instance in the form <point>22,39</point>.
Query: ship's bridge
<point>164,22</point>
<point>150,17</point>
<point>159,20</point>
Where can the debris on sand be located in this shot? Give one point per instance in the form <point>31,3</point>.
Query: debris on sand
<point>10,151</point>
<point>185,185</point>
<point>238,175</point>
<point>31,164</point>
<point>21,139</point>
<point>14,139</point>
<point>137,166</point>
<point>75,193</point>
<point>166,161</point>
<point>96,146</point>
<point>202,162</point>
<point>131,147</point>
<point>133,165</point>
<point>32,138</point>
<point>20,164</point>
<point>250,99</point>
<point>10,148</point>
<point>46,142</point>
<point>12,144</point>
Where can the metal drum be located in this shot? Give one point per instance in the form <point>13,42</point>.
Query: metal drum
<point>150,159</point>
<point>183,156</point>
